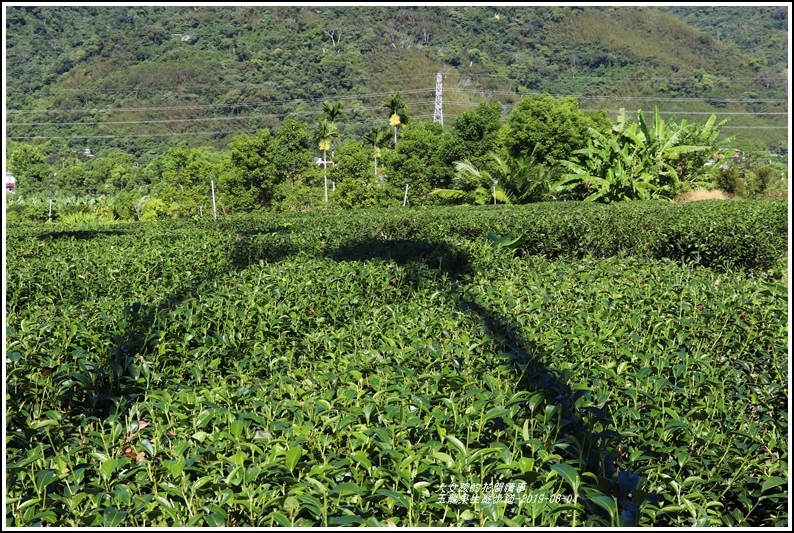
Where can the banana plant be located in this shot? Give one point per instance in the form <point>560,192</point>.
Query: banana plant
<point>692,167</point>
<point>632,162</point>
<point>663,145</point>
<point>606,172</point>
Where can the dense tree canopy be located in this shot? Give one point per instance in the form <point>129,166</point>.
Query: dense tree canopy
<point>417,161</point>
<point>254,172</point>
<point>545,149</point>
<point>550,129</point>
<point>473,134</point>
<point>29,166</point>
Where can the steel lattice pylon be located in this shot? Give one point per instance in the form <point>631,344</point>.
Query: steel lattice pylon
<point>438,114</point>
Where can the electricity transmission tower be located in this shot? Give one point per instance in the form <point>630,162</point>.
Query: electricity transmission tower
<point>438,114</point>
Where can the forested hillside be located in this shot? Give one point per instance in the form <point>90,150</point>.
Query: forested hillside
<point>760,32</point>
<point>137,78</point>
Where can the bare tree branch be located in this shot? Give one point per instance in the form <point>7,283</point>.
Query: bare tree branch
<point>335,36</point>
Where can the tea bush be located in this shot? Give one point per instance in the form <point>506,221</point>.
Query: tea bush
<point>398,367</point>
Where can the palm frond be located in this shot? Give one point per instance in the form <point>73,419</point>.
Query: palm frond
<point>450,194</point>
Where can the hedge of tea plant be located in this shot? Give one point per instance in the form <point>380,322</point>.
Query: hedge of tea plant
<point>443,367</point>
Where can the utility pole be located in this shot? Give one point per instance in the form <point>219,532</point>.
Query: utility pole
<point>438,114</point>
<point>214,211</point>
<point>494,191</point>
<point>325,176</point>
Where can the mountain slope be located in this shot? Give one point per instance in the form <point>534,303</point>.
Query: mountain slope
<point>199,74</point>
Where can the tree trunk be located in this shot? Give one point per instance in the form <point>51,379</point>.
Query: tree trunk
<point>325,176</point>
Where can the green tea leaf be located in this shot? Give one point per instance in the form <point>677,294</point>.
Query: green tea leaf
<point>112,517</point>
<point>458,444</point>
<point>490,509</point>
<point>347,488</point>
<point>236,476</point>
<point>444,458</point>
<point>312,504</point>
<point>43,424</point>
<point>772,482</point>
<point>606,503</point>
<point>568,473</point>
<point>281,518</point>
<point>361,458</point>
<point>107,467</point>
<point>43,479</point>
<point>345,520</point>
<point>215,519</point>
<point>398,498</point>
<point>293,455</point>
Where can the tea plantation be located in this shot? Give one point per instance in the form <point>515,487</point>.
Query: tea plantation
<point>549,364</point>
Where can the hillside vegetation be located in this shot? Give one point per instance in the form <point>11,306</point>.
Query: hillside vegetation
<point>137,78</point>
<point>760,32</point>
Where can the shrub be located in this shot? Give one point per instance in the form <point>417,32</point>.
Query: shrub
<point>155,209</point>
<point>297,197</point>
<point>29,212</point>
<point>191,372</point>
<point>72,209</point>
<point>79,218</point>
<point>356,193</point>
<point>730,180</point>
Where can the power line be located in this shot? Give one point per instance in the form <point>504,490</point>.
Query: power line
<point>42,137</point>
<point>214,106</point>
<point>696,112</point>
<point>135,135</point>
<point>310,113</point>
<point>475,104</point>
<point>717,79</point>
<point>755,127</point>
<point>487,92</point>
<point>685,99</point>
<point>585,76</point>
<point>629,98</point>
<point>369,108</point>
<point>121,135</point>
<point>359,97</point>
<point>347,123</point>
<point>169,121</point>
<point>199,87</point>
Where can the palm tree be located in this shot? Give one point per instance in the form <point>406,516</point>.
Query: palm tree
<point>524,178</point>
<point>325,132</point>
<point>333,112</point>
<point>376,137</point>
<point>397,108</point>
<point>473,185</point>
